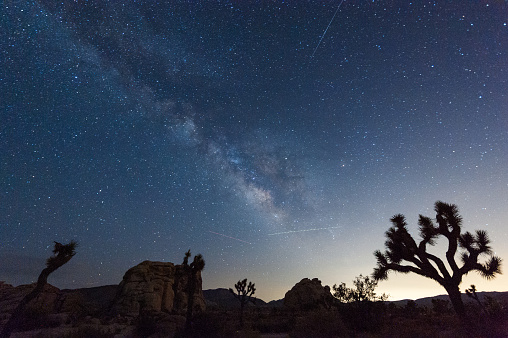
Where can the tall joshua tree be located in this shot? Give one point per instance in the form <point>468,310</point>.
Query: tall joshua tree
<point>61,255</point>
<point>192,270</point>
<point>404,255</point>
<point>244,295</point>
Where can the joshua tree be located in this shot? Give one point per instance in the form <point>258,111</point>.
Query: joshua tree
<point>364,291</point>
<point>401,247</point>
<point>244,295</point>
<point>471,292</point>
<point>490,306</point>
<point>61,255</point>
<point>192,271</point>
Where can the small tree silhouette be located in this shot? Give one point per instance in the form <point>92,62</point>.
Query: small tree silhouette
<point>244,295</point>
<point>490,306</point>
<point>402,247</point>
<point>192,270</point>
<point>471,292</point>
<point>61,255</point>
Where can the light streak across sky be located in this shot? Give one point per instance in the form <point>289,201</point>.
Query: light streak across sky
<point>216,233</point>
<point>303,230</point>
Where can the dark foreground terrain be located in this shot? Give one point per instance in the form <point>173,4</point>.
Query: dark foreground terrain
<point>85,313</point>
<point>354,320</point>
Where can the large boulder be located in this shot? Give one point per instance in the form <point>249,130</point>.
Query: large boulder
<point>156,287</point>
<point>308,295</point>
<point>54,306</point>
<point>47,302</point>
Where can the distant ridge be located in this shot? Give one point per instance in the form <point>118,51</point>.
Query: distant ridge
<point>222,299</point>
<point>427,301</point>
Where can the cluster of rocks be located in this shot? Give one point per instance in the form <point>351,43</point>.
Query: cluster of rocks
<point>154,292</point>
<point>152,296</point>
<point>306,295</point>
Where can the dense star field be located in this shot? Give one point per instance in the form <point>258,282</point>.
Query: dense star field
<point>264,135</point>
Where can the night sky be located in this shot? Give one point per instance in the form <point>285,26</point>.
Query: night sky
<point>241,131</point>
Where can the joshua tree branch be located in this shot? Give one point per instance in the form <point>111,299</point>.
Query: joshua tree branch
<point>439,263</point>
<point>404,268</point>
<point>450,253</point>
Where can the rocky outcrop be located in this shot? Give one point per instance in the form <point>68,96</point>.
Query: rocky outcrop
<point>152,297</point>
<point>151,287</point>
<point>308,295</point>
<point>47,302</point>
<point>88,301</point>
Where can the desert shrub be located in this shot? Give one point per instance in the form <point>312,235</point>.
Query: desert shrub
<point>319,323</point>
<point>212,324</point>
<point>441,306</point>
<point>87,331</point>
<point>487,319</point>
<point>274,322</point>
<point>422,326</point>
<point>364,316</point>
<point>411,309</point>
<point>159,323</point>
<point>494,308</point>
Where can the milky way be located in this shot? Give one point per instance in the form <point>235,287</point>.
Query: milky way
<point>252,133</point>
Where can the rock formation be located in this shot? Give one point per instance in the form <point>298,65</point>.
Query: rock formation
<point>152,292</point>
<point>49,301</point>
<point>308,295</point>
<point>155,287</point>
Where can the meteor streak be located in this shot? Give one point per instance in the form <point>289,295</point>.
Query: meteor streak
<point>326,30</point>
<point>304,230</point>
<point>216,233</point>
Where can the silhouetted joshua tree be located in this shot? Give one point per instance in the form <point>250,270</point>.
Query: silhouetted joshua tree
<point>471,292</point>
<point>61,255</point>
<point>192,270</point>
<point>490,306</point>
<point>244,295</point>
<point>401,247</point>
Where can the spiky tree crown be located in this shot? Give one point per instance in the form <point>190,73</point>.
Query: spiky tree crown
<point>198,264</point>
<point>244,291</point>
<point>400,246</point>
<point>61,254</point>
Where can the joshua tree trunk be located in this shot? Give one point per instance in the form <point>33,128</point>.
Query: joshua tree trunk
<point>456,299</point>
<point>63,253</point>
<point>17,315</point>
<point>193,271</point>
<point>241,315</point>
<point>190,302</point>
